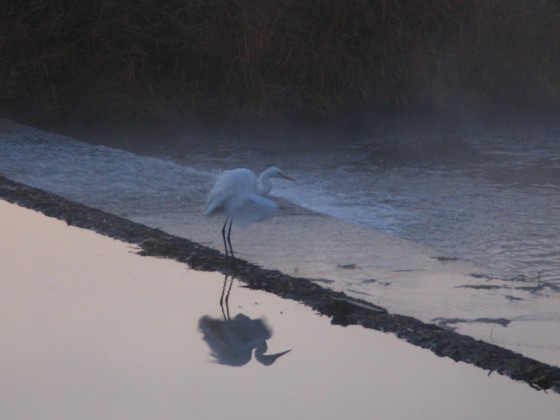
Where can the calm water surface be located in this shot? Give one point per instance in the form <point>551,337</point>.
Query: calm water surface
<point>485,193</point>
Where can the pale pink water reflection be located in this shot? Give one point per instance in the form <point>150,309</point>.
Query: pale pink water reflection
<point>91,330</point>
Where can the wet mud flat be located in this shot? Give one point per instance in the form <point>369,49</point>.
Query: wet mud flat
<point>342,309</point>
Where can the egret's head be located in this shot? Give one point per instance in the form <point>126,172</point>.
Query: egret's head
<point>274,172</point>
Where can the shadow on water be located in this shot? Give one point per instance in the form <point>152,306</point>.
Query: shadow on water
<point>232,340</point>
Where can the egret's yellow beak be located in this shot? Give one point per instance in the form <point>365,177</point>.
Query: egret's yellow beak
<point>287,177</point>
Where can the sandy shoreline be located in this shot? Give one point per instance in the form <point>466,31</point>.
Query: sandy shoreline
<point>91,329</point>
<point>343,309</point>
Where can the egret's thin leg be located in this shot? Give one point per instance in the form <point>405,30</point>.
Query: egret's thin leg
<point>229,238</point>
<point>222,296</point>
<point>225,311</point>
<point>227,297</point>
<point>224,236</point>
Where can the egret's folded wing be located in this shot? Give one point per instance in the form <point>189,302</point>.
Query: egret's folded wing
<point>254,209</point>
<point>230,190</point>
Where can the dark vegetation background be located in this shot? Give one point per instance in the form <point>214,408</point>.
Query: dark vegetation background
<point>175,59</point>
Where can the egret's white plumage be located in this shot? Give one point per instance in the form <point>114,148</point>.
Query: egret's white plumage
<point>239,194</point>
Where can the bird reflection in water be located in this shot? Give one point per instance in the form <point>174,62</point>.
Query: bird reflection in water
<point>232,340</point>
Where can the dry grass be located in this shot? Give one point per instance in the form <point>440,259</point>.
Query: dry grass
<point>132,59</point>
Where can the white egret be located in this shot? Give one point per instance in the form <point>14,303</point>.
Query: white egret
<point>240,195</point>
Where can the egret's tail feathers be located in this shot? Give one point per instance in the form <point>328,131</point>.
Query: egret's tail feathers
<point>213,206</point>
<point>209,209</point>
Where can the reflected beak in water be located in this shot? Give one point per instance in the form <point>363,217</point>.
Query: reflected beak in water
<point>268,359</point>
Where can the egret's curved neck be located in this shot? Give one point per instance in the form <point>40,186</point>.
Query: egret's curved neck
<point>263,184</point>
<point>267,359</point>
